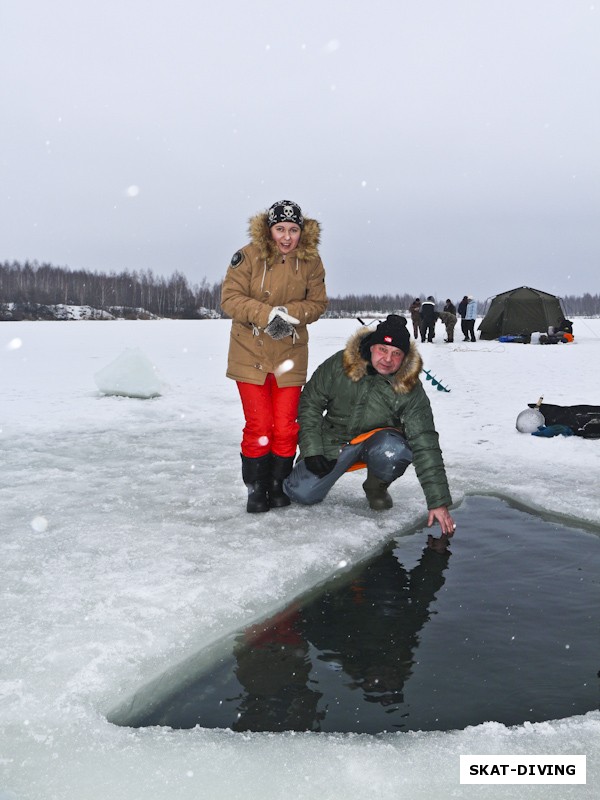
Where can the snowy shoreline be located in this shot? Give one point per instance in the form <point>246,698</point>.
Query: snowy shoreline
<point>126,548</point>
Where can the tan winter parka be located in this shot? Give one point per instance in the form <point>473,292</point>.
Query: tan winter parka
<point>258,279</point>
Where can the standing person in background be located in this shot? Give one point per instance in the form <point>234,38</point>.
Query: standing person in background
<point>450,307</point>
<point>428,319</point>
<point>274,287</point>
<point>470,317</point>
<point>415,316</point>
<point>462,310</point>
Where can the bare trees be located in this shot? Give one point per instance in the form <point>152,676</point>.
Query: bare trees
<point>31,283</point>
<point>586,305</point>
<point>353,304</point>
<point>44,284</point>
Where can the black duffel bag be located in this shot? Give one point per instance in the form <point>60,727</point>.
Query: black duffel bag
<point>583,420</point>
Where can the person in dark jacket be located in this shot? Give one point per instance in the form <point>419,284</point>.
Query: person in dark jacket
<point>366,405</point>
<point>415,316</point>
<point>428,319</point>
<point>450,308</point>
<point>461,312</point>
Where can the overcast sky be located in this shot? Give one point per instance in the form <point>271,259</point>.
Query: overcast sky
<point>446,146</point>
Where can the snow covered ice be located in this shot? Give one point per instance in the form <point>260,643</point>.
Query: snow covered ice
<point>126,548</point>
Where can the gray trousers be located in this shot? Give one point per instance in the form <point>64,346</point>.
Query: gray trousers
<point>386,454</point>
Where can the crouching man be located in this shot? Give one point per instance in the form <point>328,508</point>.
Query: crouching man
<point>366,406</point>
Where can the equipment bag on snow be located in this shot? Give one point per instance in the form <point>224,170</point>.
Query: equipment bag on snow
<point>583,420</point>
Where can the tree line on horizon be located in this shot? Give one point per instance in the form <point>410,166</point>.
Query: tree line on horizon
<point>30,285</point>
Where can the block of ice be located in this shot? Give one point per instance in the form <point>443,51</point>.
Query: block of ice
<point>129,375</point>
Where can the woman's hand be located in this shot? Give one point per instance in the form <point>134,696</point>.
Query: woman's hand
<point>281,311</point>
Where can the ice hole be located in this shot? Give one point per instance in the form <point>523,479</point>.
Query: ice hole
<point>500,625</point>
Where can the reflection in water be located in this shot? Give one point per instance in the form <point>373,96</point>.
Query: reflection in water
<point>273,667</point>
<point>318,665</point>
<point>367,630</point>
<point>404,642</point>
<point>370,629</point>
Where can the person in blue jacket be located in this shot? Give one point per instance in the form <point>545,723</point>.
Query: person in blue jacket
<point>469,319</point>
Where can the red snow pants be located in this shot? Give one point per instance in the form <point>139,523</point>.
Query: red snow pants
<point>271,418</point>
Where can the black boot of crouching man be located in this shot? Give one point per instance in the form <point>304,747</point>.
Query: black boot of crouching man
<point>280,469</point>
<point>377,493</point>
<point>387,454</point>
<point>256,473</point>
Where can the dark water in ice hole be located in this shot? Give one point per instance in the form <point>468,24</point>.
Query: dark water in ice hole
<point>501,625</point>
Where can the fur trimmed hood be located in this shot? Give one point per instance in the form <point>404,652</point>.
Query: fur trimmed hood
<point>355,366</point>
<point>260,234</point>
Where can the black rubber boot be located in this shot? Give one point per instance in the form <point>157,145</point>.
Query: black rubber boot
<point>377,493</point>
<point>280,469</point>
<point>256,473</point>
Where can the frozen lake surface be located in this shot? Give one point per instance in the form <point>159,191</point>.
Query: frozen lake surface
<point>126,550</point>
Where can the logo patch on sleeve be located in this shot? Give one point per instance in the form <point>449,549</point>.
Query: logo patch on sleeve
<point>236,259</point>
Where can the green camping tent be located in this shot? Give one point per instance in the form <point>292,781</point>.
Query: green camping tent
<point>522,310</point>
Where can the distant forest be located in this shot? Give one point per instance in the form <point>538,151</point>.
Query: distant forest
<point>24,288</point>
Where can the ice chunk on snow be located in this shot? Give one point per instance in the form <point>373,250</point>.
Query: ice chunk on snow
<point>129,375</point>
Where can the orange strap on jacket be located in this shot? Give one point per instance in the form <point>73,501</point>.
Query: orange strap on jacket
<point>357,440</point>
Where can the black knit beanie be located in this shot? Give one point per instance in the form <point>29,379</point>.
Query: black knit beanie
<point>392,331</point>
<point>285,211</point>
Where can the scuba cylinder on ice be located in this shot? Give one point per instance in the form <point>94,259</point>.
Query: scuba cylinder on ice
<point>531,419</point>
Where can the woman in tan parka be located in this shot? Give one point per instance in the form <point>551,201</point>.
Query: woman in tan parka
<point>274,287</point>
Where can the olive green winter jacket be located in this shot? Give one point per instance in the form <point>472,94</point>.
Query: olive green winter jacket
<point>357,399</point>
